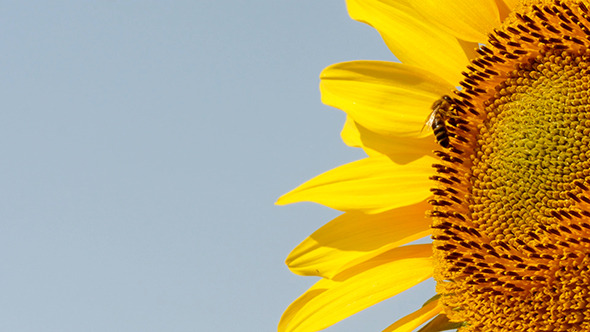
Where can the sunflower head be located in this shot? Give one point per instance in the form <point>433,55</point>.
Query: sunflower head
<point>511,208</point>
<point>504,178</point>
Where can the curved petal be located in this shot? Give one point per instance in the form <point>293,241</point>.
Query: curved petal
<point>417,318</point>
<point>412,39</point>
<point>330,301</point>
<point>354,237</point>
<point>401,150</point>
<point>441,323</point>
<point>505,7</point>
<point>467,19</point>
<point>370,185</point>
<point>350,134</point>
<point>511,4</point>
<point>384,97</point>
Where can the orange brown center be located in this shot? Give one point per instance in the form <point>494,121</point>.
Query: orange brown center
<point>511,209</point>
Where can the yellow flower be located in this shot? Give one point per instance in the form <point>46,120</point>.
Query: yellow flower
<point>503,188</point>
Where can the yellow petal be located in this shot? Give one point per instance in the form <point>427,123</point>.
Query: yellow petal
<point>330,301</point>
<point>354,237</point>
<point>467,19</point>
<point>350,134</point>
<point>370,185</point>
<point>401,150</point>
<point>411,38</point>
<point>505,7</point>
<point>384,97</point>
<point>511,4</point>
<point>417,318</point>
<point>440,323</point>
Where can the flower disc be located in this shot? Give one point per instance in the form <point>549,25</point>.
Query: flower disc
<point>512,205</point>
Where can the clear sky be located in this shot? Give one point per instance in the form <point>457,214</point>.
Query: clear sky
<point>143,146</point>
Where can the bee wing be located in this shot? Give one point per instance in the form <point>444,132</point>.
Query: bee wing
<point>429,120</point>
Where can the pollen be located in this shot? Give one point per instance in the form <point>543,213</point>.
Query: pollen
<point>511,202</point>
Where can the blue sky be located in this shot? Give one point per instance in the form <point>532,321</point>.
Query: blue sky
<point>144,144</point>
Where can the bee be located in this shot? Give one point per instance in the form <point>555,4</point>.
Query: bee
<point>437,120</point>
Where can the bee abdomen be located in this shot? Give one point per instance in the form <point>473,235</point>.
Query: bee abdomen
<point>441,134</point>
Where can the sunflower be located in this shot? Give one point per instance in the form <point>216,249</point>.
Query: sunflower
<point>499,178</point>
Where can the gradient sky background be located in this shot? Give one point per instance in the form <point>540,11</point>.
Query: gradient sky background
<point>143,146</point>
